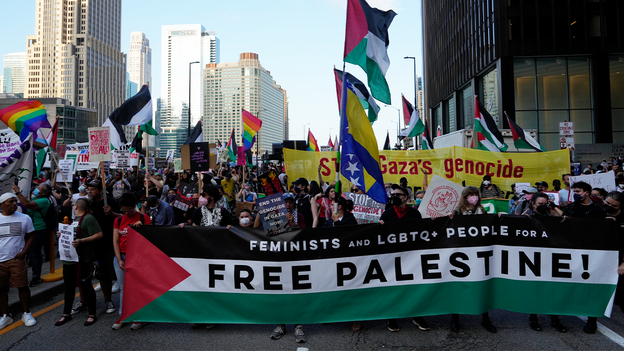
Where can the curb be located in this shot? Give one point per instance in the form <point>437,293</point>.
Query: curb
<point>43,293</point>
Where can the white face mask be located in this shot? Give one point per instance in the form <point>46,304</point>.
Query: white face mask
<point>245,221</point>
<point>486,182</point>
<point>621,186</point>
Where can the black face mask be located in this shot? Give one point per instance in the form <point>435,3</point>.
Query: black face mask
<point>396,200</point>
<point>542,209</point>
<point>608,209</point>
<point>297,190</point>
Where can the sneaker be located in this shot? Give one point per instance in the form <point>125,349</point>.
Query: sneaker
<point>137,325</point>
<point>110,308</point>
<point>421,323</point>
<point>118,324</point>
<point>393,325</point>
<point>278,332</point>
<point>299,336</point>
<point>28,319</point>
<point>115,288</point>
<point>35,281</point>
<point>5,321</point>
<point>98,287</point>
<point>78,307</point>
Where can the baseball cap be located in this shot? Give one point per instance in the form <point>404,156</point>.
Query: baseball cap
<point>96,183</point>
<point>542,183</point>
<point>289,196</point>
<point>531,190</point>
<point>301,181</point>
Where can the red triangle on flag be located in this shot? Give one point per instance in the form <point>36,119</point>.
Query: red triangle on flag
<point>149,274</point>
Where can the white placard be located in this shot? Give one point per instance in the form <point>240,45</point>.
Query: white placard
<point>99,144</point>
<point>520,187</point>
<point>170,155</point>
<point>566,128</point>
<point>441,198</point>
<point>66,251</point>
<point>151,163</point>
<point>67,171</point>
<point>605,181</point>
<point>134,159</point>
<point>122,158</point>
<point>553,196</point>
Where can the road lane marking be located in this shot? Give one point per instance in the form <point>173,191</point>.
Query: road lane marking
<point>36,314</point>
<point>613,336</point>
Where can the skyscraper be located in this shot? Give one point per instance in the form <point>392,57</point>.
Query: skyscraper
<point>14,72</point>
<point>76,55</point>
<point>234,86</point>
<point>181,46</point>
<point>139,59</point>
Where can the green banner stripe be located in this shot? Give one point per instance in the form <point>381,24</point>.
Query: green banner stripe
<point>379,303</point>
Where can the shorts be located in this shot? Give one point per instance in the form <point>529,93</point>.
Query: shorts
<point>14,272</point>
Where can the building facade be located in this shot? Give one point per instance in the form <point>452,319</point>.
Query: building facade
<point>14,72</point>
<point>234,86</point>
<point>139,60</point>
<point>74,121</point>
<point>76,55</point>
<point>541,62</point>
<point>182,46</point>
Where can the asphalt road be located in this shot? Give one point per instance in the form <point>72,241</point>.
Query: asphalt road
<point>513,334</point>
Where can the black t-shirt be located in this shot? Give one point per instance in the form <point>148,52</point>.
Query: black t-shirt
<point>106,223</point>
<point>576,209</point>
<point>304,207</point>
<point>390,215</point>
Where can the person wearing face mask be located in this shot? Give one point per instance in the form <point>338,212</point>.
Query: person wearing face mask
<point>401,212</point>
<point>303,200</point>
<point>131,218</point>
<point>245,220</point>
<point>209,214</point>
<point>247,195</point>
<point>541,207</point>
<point>159,211</point>
<point>418,197</point>
<point>611,209</point>
<point>489,190</point>
<point>582,201</point>
<point>470,204</point>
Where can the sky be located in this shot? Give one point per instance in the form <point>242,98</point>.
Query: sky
<point>299,42</point>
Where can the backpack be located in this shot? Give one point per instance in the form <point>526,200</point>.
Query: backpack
<point>51,217</point>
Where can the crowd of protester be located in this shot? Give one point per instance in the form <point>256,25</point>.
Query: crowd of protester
<point>102,210</point>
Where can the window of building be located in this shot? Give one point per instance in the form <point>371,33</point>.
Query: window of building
<point>616,73</point>
<point>488,93</point>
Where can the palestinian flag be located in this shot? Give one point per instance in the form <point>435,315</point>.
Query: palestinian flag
<point>360,90</point>
<point>336,146</point>
<point>117,134</point>
<point>52,136</point>
<point>485,124</point>
<point>331,143</point>
<point>197,136</point>
<point>232,148</point>
<point>426,141</point>
<point>312,144</point>
<point>416,125</point>
<point>366,44</point>
<point>216,275</point>
<point>387,143</point>
<point>135,111</point>
<point>522,139</point>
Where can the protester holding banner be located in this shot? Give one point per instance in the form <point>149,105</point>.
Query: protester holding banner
<point>400,211</point>
<point>582,201</point>
<point>470,204</point>
<point>344,216</point>
<point>159,211</point>
<point>130,218</point>
<point>245,220</point>
<point>209,214</point>
<point>86,232</point>
<point>13,266</point>
<point>295,219</point>
<point>37,210</point>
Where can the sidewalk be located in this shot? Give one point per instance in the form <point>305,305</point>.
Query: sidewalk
<point>38,294</point>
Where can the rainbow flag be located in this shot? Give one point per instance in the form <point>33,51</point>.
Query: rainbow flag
<point>312,144</point>
<point>25,117</point>
<point>251,126</point>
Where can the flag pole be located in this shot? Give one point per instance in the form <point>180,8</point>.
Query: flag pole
<point>147,164</point>
<point>103,184</point>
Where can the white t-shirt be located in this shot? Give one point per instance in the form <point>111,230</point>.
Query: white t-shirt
<point>563,195</point>
<point>13,230</point>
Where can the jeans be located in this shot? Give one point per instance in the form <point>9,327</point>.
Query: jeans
<point>120,279</point>
<point>34,253</point>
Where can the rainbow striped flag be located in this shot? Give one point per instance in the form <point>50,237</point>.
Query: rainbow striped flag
<point>25,117</point>
<point>251,126</point>
<point>312,144</point>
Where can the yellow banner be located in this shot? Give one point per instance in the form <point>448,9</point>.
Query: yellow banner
<point>456,164</point>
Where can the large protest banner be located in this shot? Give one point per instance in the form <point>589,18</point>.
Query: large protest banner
<point>467,265</point>
<point>9,141</point>
<point>456,164</point>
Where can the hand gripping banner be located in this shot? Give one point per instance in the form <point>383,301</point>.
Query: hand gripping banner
<point>467,265</point>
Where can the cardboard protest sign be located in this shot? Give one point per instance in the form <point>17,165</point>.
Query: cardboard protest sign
<point>605,181</point>
<point>365,209</point>
<point>99,144</point>
<point>67,171</point>
<point>272,212</point>
<point>270,183</point>
<point>199,155</point>
<point>441,198</point>
<point>186,189</point>
<point>66,251</point>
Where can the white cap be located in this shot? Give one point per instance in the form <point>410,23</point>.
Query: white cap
<point>7,196</point>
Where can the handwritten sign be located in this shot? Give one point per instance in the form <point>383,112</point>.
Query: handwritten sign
<point>441,198</point>
<point>520,187</point>
<point>199,156</point>
<point>9,141</point>
<point>605,181</point>
<point>67,171</point>
<point>122,158</point>
<point>177,165</point>
<point>272,212</point>
<point>67,252</point>
<point>99,144</point>
<point>365,209</point>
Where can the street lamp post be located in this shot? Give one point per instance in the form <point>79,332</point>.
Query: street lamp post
<point>304,135</point>
<point>397,142</point>
<point>399,123</point>
<point>189,102</point>
<point>415,86</point>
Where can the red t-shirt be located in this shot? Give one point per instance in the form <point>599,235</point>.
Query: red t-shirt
<point>123,227</point>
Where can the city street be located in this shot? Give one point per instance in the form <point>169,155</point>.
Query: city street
<point>513,334</point>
